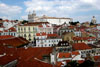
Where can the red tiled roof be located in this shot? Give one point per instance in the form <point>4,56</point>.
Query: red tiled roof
<point>83,38</point>
<point>75,53</point>
<point>80,46</point>
<point>33,63</point>
<point>35,23</point>
<point>40,25</point>
<point>2,49</point>
<point>6,20</point>
<point>10,55</point>
<point>80,61</point>
<point>96,58</point>
<point>12,29</point>
<point>6,59</point>
<point>71,27</point>
<point>5,30</point>
<point>13,41</point>
<point>41,34</point>
<point>26,56</point>
<point>2,26</point>
<point>1,31</point>
<point>6,36</point>
<point>59,64</point>
<point>48,35</point>
<point>47,26</point>
<point>52,35</point>
<point>64,55</point>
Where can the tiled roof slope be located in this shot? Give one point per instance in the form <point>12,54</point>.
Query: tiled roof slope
<point>80,46</point>
<point>13,41</point>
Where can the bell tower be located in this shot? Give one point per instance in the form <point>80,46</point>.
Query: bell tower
<point>29,16</point>
<point>34,13</point>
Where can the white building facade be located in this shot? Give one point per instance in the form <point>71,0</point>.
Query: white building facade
<point>46,28</point>
<point>46,40</point>
<point>53,20</point>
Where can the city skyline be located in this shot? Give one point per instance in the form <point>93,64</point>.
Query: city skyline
<point>79,10</point>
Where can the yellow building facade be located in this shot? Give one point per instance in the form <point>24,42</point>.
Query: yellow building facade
<point>27,31</point>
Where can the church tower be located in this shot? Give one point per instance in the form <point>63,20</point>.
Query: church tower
<point>32,17</point>
<point>93,20</point>
<point>29,17</point>
<point>34,14</point>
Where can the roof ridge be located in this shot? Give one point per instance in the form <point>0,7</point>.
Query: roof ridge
<point>21,40</point>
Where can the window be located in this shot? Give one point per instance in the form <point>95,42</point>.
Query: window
<point>45,45</point>
<point>29,35</point>
<point>19,29</point>
<point>25,29</point>
<point>29,28</point>
<point>33,28</point>
<point>45,40</point>
<point>24,35</point>
<point>41,45</point>
<point>37,40</point>
<point>49,40</point>
<point>49,44</point>
<point>14,34</point>
<point>50,32</point>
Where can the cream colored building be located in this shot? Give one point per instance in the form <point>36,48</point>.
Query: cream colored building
<point>27,31</point>
<point>53,20</point>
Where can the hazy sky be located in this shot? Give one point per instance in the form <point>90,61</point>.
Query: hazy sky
<point>79,10</point>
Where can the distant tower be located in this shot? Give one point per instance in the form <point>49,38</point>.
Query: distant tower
<point>33,16</point>
<point>29,16</point>
<point>34,13</point>
<point>93,20</point>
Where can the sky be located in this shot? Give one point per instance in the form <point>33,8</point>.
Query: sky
<point>79,10</point>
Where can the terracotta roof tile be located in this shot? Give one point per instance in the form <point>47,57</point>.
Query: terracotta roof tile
<point>13,41</point>
<point>6,36</point>
<point>41,34</point>
<point>6,59</point>
<point>96,58</point>
<point>83,38</point>
<point>80,46</point>
<point>64,55</point>
<point>26,56</point>
<point>75,53</point>
<point>52,35</point>
<point>35,23</point>
<point>12,29</point>
<point>40,26</point>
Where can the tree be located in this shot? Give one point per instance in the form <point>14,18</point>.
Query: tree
<point>24,21</point>
<point>73,23</point>
<point>1,19</point>
<point>72,64</point>
<point>87,63</point>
